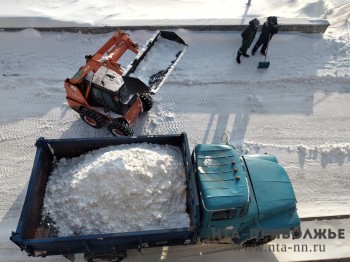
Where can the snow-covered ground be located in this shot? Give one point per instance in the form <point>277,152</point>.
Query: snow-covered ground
<point>298,109</point>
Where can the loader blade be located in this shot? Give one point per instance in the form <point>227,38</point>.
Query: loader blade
<point>157,59</point>
<point>135,85</point>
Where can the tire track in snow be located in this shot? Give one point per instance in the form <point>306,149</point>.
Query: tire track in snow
<point>303,83</point>
<point>298,129</point>
<point>46,99</point>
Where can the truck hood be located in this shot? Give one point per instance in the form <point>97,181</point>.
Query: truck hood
<point>221,187</point>
<point>271,185</point>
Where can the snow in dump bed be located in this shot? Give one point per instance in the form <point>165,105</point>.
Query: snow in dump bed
<point>159,58</point>
<point>118,189</point>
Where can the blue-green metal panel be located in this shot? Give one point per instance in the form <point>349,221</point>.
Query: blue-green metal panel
<point>272,187</point>
<point>220,189</point>
<point>281,222</point>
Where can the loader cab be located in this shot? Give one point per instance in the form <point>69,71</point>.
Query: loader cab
<point>223,190</point>
<point>109,101</point>
<point>109,91</point>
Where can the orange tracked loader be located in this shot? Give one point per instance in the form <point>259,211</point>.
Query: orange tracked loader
<point>105,93</point>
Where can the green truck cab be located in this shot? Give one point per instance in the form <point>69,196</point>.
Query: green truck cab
<point>248,199</point>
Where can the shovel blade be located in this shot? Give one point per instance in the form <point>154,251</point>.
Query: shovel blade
<point>263,65</point>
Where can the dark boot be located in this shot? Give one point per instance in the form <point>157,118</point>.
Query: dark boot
<point>245,55</point>
<point>238,58</point>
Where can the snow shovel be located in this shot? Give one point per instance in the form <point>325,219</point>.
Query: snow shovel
<point>265,65</point>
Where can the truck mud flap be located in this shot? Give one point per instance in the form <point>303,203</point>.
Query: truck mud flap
<point>157,59</point>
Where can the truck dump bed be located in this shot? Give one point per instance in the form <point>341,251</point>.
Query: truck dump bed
<point>37,239</point>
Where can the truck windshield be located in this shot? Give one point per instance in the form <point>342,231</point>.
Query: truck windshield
<point>223,214</point>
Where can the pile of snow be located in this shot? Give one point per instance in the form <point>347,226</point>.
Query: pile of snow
<point>118,189</point>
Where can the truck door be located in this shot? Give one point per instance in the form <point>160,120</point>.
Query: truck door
<point>249,230</point>
<point>222,223</point>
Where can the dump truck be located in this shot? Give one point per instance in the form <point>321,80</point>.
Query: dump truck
<point>107,94</point>
<point>246,200</point>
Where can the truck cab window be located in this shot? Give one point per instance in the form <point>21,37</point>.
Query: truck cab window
<point>223,214</point>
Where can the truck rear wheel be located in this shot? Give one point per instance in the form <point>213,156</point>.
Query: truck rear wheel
<point>114,256</point>
<point>119,127</point>
<point>147,101</point>
<point>92,118</point>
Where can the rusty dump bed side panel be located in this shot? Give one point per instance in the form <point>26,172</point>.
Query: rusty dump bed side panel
<point>33,236</point>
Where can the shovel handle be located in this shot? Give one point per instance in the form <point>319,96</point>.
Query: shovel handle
<point>267,47</point>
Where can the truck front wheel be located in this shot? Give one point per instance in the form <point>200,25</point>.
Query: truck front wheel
<point>296,233</point>
<point>253,242</point>
<point>114,256</point>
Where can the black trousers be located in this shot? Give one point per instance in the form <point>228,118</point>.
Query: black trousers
<point>259,43</point>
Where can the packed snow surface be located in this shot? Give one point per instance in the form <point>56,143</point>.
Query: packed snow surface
<point>118,189</point>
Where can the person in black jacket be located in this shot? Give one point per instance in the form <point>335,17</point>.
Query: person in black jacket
<point>248,36</point>
<point>269,28</point>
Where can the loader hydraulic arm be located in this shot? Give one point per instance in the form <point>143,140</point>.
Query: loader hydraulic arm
<point>107,55</point>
